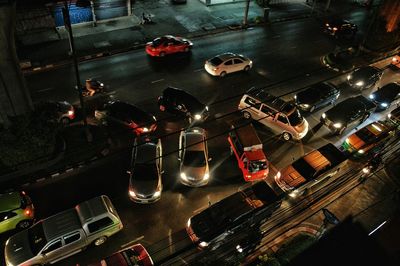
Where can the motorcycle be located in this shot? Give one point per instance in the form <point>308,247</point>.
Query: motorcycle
<point>92,87</point>
<point>371,166</point>
<point>146,19</point>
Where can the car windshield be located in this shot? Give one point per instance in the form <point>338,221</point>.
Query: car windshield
<point>37,239</point>
<point>295,118</point>
<point>255,166</point>
<point>194,158</point>
<point>216,61</point>
<point>145,172</point>
<point>157,42</point>
<point>305,170</point>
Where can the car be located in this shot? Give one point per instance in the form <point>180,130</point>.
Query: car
<point>168,44</point>
<point>316,96</point>
<point>178,101</point>
<point>127,115</point>
<point>132,256</point>
<point>340,28</point>
<point>385,96</point>
<point>340,61</point>
<point>395,62</point>
<point>145,183</point>
<point>369,139</point>
<point>394,116</point>
<point>59,112</point>
<point>193,157</point>
<point>226,63</point>
<point>364,77</point>
<point>16,211</point>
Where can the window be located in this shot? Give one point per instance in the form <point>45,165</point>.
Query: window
<point>237,61</point>
<point>6,215</point>
<point>266,110</point>
<point>252,102</point>
<point>282,118</point>
<point>53,246</point>
<point>100,224</point>
<point>72,238</point>
<point>228,63</point>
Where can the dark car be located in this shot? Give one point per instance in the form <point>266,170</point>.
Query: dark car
<point>316,96</point>
<point>340,28</point>
<point>385,96</point>
<point>348,114</point>
<point>127,115</point>
<point>394,116</point>
<point>341,60</point>
<point>178,101</point>
<point>168,44</point>
<point>145,172</point>
<point>58,112</point>
<point>364,77</point>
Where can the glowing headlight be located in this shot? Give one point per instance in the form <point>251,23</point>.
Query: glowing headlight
<point>360,83</point>
<point>389,115</point>
<point>197,117</point>
<point>327,24</point>
<point>304,105</point>
<point>337,125</point>
<point>132,194</point>
<point>347,140</point>
<point>207,108</point>
<point>239,248</point>
<point>203,244</point>
<point>394,59</point>
<point>154,118</point>
<point>157,194</point>
<point>365,170</point>
<point>206,177</point>
<point>324,115</point>
<point>384,104</point>
<point>371,96</point>
<point>188,223</point>
<point>70,112</point>
<point>145,129</point>
<point>348,77</point>
<point>102,84</point>
<point>294,193</point>
<point>334,29</point>
<point>295,97</point>
<point>278,175</point>
<point>183,176</point>
<point>361,151</point>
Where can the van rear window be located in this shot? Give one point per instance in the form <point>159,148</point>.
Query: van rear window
<point>216,61</point>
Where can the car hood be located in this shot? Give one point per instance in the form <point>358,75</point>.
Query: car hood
<point>194,173</point>
<point>307,97</point>
<point>18,249</point>
<point>343,110</point>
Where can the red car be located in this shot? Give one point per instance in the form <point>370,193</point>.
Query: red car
<point>168,44</point>
<point>135,255</point>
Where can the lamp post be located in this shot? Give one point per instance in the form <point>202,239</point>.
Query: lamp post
<point>67,22</point>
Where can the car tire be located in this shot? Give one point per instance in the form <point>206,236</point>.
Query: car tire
<point>99,241</point>
<point>65,121</point>
<point>222,74</point>
<point>246,115</point>
<point>312,109</point>
<point>162,54</point>
<point>286,136</point>
<point>24,224</point>
<point>246,69</point>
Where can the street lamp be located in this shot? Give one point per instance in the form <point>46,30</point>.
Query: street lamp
<point>67,23</point>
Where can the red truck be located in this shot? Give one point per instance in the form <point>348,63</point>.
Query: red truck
<point>248,149</point>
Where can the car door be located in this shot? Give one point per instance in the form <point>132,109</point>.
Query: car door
<point>282,124</point>
<point>52,251</point>
<point>355,118</point>
<point>238,64</point>
<point>228,66</point>
<point>73,243</point>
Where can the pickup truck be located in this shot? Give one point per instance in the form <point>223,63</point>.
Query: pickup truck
<point>311,169</point>
<point>348,114</point>
<point>64,234</point>
<point>216,224</point>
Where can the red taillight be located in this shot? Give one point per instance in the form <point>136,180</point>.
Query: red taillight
<point>28,212</point>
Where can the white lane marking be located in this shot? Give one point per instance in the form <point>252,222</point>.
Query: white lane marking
<point>197,70</point>
<point>158,80</point>
<point>43,90</point>
<point>133,241</point>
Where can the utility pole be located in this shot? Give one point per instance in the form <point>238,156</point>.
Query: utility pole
<point>246,13</point>
<point>67,22</point>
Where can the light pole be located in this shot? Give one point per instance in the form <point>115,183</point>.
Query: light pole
<point>67,22</point>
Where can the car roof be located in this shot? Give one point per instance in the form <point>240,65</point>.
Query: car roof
<point>129,111</point>
<point>390,89</point>
<point>366,70</point>
<point>228,55</point>
<point>61,223</point>
<point>10,201</point>
<point>191,102</point>
<point>272,101</point>
<point>146,152</point>
<point>195,140</point>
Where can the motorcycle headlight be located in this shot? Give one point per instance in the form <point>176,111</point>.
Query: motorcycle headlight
<point>365,170</point>
<point>70,112</point>
<point>145,129</point>
<point>361,151</point>
<point>203,244</point>
<point>360,83</point>
<point>101,84</point>
<point>197,117</point>
<point>294,193</point>
<point>384,104</point>
<point>337,125</point>
<point>323,115</point>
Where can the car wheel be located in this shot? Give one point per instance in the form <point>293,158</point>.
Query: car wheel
<point>286,136</point>
<point>246,115</point>
<point>65,121</point>
<point>312,109</point>
<point>99,241</point>
<point>222,74</point>
<point>24,224</point>
<point>162,54</point>
<point>247,68</point>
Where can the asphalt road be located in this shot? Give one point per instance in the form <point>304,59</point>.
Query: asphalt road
<point>286,57</point>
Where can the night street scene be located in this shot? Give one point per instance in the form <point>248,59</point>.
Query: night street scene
<point>200,132</point>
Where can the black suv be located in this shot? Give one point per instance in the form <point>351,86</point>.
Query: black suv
<point>178,101</point>
<point>340,28</point>
<point>348,114</point>
<point>316,96</point>
<point>364,77</point>
<point>385,96</point>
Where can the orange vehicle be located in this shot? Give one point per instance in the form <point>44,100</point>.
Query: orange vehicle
<point>248,149</point>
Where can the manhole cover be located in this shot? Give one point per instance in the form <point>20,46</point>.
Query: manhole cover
<point>102,44</point>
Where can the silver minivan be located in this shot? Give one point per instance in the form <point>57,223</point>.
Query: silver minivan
<point>64,234</point>
<point>281,117</point>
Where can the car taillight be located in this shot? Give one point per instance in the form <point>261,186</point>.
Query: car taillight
<point>71,113</point>
<point>27,212</point>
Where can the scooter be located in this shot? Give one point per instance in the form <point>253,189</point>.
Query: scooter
<point>371,166</point>
<point>146,19</point>
<point>92,87</point>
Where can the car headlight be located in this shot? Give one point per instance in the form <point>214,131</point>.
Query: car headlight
<point>197,117</point>
<point>239,248</point>
<point>132,194</point>
<point>145,129</point>
<point>335,29</point>
<point>157,194</point>
<point>188,223</point>
<point>206,177</point>
<point>304,105</point>
<point>365,170</point>
<point>361,151</point>
<point>278,175</point>
<point>294,193</point>
<point>154,118</point>
<point>101,84</point>
<point>183,176</point>
<point>337,125</point>
<point>384,104</point>
<point>394,59</point>
<point>348,77</point>
<point>295,97</point>
<point>371,96</point>
<point>323,115</point>
<point>347,140</point>
<point>203,244</point>
<point>70,112</point>
<point>360,83</point>
<point>389,116</point>
<point>207,108</point>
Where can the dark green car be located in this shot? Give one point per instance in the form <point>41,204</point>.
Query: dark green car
<point>16,211</point>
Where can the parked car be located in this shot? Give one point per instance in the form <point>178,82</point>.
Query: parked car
<point>364,77</point>
<point>395,63</point>
<point>316,96</point>
<point>168,44</point>
<point>348,114</point>
<point>385,96</point>
<point>127,115</point>
<point>135,255</point>
<point>226,63</point>
<point>340,28</point>
<point>178,101</point>
<point>193,155</point>
<point>369,139</point>
<point>283,118</point>
<point>340,61</point>
<point>16,211</point>
<point>145,183</point>
<point>64,234</point>
<point>394,116</point>
<point>59,112</point>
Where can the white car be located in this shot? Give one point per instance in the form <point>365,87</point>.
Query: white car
<point>223,64</point>
<point>193,155</point>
